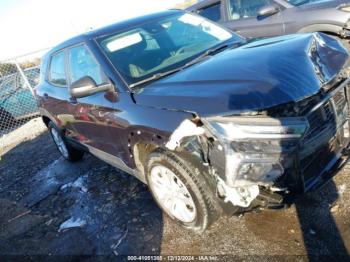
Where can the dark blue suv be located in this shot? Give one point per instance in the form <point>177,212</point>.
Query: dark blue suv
<point>213,124</point>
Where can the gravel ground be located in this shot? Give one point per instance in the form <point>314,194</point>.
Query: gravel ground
<point>51,207</point>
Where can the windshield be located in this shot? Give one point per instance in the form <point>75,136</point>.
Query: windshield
<point>163,45</point>
<point>302,2</point>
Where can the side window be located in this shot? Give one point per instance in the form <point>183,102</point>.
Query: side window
<point>212,12</point>
<point>57,70</point>
<point>82,63</point>
<point>240,9</point>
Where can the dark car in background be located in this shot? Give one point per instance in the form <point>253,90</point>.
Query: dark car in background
<point>266,18</point>
<point>211,123</point>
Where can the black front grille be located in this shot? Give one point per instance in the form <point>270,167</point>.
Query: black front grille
<point>324,139</point>
<point>319,120</point>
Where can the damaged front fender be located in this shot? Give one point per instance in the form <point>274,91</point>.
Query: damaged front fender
<point>186,129</point>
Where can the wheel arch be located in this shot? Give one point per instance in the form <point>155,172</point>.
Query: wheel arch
<point>324,28</point>
<point>46,120</point>
<point>190,151</point>
<point>140,151</point>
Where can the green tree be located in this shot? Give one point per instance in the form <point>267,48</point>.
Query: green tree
<point>30,63</point>
<point>186,4</point>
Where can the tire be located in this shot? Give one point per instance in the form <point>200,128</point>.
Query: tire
<point>67,151</point>
<point>201,208</point>
<point>6,119</point>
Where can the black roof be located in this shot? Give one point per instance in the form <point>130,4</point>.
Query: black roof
<point>120,26</point>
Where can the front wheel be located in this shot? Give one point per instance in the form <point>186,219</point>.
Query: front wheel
<point>67,151</point>
<point>181,192</point>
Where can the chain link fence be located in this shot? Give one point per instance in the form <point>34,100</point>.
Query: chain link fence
<point>18,79</point>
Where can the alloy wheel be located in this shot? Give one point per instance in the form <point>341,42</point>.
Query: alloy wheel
<point>172,194</point>
<point>61,145</point>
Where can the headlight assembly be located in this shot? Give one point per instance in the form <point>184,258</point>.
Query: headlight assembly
<point>244,128</point>
<point>256,147</point>
<point>260,172</point>
<point>273,146</point>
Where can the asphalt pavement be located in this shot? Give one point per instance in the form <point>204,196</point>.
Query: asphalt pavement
<point>51,207</point>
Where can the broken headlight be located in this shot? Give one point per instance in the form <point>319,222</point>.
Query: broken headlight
<point>257,147</point>
<point>264,172</point>
<point>273,146</point>
<point>239,128</point>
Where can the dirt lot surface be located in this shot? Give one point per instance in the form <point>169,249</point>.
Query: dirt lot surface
<point>51,207</point>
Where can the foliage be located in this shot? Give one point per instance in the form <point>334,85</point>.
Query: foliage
<point>7,69</point>
<point>186,4</point>
<point>30,63</point>
<point>10,68</point>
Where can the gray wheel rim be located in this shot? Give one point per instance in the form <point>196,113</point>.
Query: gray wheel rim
<point>172,194</point>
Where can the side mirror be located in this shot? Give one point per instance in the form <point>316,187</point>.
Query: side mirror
<point>87,86</point>
<point>267,11</point>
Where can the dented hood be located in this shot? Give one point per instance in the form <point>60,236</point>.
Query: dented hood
<point>256,76</point>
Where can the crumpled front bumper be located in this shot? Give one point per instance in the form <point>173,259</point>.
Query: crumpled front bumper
<point>322,151</point>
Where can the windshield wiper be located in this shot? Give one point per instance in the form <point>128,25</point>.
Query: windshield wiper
<point>155,77</point>
<point>199,58</point>
<point>207,53</point>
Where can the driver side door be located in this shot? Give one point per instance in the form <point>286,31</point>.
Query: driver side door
<point>242,17</point>
<point>93,113</point>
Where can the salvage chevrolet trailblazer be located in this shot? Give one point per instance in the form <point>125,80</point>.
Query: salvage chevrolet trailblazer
<point>213,124</point>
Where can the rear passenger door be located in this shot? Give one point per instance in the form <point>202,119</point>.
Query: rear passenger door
<point>242,17</point>
<point>54,94</point>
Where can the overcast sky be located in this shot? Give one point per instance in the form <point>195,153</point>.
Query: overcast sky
<point>30,25</point>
